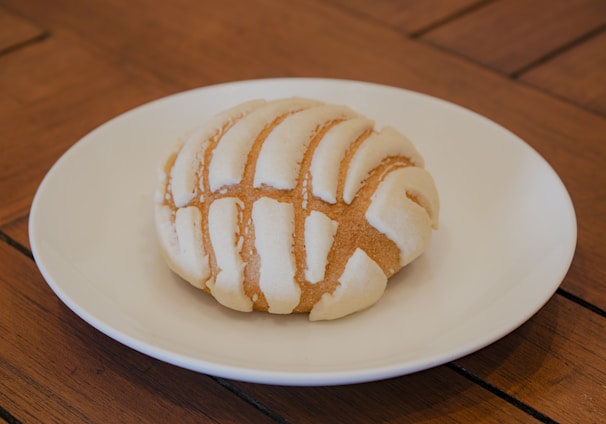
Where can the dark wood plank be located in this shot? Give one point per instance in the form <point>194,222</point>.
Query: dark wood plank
<point>52,94</point>
<point>510,35</point>
<point>434,396</point>
<point>555,362</point>
<point>17,231</point>
<point>16,31</point>
<point>578,74</point>
<point>524,364</point>
<point>103,59</point>
<point>439,395</point>
<point>410,16</point>
<point>329,43</point>
<point>54,367</point>
<point>541,364</point>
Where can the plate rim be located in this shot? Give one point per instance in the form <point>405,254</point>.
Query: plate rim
<point>291,378</point>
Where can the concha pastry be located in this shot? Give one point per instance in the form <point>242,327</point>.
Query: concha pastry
<point>293,205</point>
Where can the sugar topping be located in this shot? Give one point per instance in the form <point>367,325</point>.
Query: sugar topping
<point>362,284</point>
<point>330,151</point>
<point>283,149</point>
<point>376,148</point>
<point>274,228</point>
<point>293,205</point>
<point>230,156</point>
<point>183,174</point>
<point>223,225</point>
<point>192,258</point>
<point>320,232</point>
<point>403,220</point>
<point>185,171</point>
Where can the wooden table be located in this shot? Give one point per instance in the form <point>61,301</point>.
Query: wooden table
<point>536,67</point>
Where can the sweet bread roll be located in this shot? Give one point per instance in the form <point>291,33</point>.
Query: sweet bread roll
<point>294,205</point>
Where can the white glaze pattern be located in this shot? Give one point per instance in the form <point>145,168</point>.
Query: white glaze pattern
<point>320,233</point>
<point>330,153</point>
<point>274,229</point>
<point>267,176</point>
<point>376,148</point>
<point>224,220</point>
<point>290,145</point>
<point>393,213</point>
<point>361,285</point>
<point>192,257</point>
<point>229,158</point>
<point>184,172</point>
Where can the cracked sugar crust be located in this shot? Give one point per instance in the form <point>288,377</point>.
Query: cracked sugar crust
<point>293,205</point>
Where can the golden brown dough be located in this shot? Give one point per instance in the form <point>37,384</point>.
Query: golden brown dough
<point>293,205</point>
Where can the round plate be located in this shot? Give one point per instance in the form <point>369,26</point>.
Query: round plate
<point>506,239</point>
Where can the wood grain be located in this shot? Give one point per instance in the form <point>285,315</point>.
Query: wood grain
<point>16,31</point>
<point>100,58</point>
<point>540,364</point>
<point>330,44</point>
<point>435,396</point>
<point>510,35</point>
<point>578,75</point>
<point>53,93</point>
<point>17,231</point>
<point>555,362</point>
<point>99,368</point>
<point>54,367</point>
<point>410,16</point>
<point>522,365</point>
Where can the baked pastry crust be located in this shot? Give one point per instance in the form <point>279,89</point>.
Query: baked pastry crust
<point>294,205</point>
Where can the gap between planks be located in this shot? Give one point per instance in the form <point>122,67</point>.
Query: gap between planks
<point>26,43</point>
<point>6,416</point>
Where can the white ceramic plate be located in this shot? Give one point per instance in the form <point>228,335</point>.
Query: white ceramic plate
<point>506,239</point>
